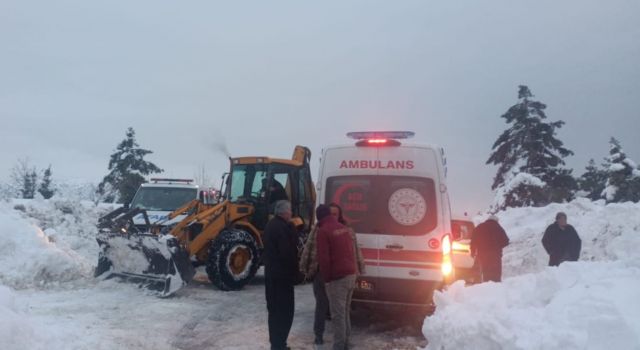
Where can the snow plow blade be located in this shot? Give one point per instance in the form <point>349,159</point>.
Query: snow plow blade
<point>156,262</point>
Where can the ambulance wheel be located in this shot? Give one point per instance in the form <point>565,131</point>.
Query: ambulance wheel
<point>233,259</point>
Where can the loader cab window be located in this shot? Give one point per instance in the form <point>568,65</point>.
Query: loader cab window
<point>246,182</point>
<point>277,190</point>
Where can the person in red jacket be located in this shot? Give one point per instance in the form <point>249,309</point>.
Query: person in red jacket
<point>338,267</point>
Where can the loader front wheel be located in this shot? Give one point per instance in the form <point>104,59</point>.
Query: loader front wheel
<point>233,259</point>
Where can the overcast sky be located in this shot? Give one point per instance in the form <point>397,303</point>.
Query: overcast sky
<point>262,77</point>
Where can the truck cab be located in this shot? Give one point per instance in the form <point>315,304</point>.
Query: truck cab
<point>160,196</point>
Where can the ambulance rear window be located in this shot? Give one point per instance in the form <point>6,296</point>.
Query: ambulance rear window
<point>397,205</point>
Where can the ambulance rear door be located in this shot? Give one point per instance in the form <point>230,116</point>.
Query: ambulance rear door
<point>349,181</point>
<point>407,213</point>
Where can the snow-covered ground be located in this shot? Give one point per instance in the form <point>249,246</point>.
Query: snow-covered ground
<point>590,304</point>
<point>50,300</point>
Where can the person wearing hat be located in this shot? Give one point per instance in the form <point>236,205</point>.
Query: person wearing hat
<point>487,242</point>
<point>337,259</point>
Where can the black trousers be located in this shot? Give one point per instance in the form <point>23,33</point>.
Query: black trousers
<point>280,306</point>
<point>491,270</point>
<point>322,305</point>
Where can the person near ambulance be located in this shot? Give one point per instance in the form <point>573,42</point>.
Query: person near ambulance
<point>281,270</point>
<point>487,242</point>
<point>338,262</point>
<point>336,212</point>
<point>561,241</point>
<point>310,270</point>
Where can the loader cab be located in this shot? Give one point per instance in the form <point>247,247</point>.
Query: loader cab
<point>261,182</point>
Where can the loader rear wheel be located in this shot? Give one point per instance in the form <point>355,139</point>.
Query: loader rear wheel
<point>233,259</point>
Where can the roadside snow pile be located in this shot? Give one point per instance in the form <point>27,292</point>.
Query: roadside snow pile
<point>590,304</point>
<point>45,243</point>
<point>28,258</point>
<point>584,305</point>
<point>608,232</point>
<point>71,224</point>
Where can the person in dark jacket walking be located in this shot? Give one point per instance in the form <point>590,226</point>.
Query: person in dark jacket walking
<point>337,259</point>
<point>280,272</point>
<point>487,242</point>
<point>561,241</point>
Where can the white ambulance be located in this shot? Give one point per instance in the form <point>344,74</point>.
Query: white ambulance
<point>395,197</point>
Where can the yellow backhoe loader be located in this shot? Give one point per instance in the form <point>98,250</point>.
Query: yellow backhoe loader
<point>225,236</point>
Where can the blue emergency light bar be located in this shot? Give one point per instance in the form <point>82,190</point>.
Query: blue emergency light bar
<point>380,135</point>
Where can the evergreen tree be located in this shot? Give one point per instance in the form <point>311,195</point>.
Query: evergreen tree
<point>593,181</point>
<point>24,179</point>
<point>623,176</point>
<point>529,158</point>
<point>45,188</point>
<point>127,168</point>
<point>30,183</point>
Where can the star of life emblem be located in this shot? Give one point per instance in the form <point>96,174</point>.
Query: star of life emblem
<point>407,206</point>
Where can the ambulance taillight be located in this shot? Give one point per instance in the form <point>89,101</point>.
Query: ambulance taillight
<point>447,266</point>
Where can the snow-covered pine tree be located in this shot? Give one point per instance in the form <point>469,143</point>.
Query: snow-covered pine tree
<point>623,176</point>
<point>127,168</point>
<point>529,158</point>
<point>30,184</point>
<point>593,181</point>
<point>46,187</point>
<point>24,179</point>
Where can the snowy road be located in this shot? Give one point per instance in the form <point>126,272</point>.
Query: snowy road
<point>112,315</point>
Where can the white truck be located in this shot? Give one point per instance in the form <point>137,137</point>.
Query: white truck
<point>160,196</point>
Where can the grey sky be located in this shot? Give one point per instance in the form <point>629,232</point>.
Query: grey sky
<point>265,76</point>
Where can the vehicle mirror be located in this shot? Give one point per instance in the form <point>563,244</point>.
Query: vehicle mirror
<point>126,205</point>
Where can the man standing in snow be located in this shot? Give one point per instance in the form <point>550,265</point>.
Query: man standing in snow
<point>280,272</point>
<point>338,267</point>
<point>487,242</point>
<point>561,241</point>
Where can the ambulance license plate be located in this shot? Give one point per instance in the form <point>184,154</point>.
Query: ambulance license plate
<point>365,285</point>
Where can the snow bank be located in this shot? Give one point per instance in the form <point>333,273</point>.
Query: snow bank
<point>575,306</point>
<point>45,243</point>
<point>590,304</point>
<point>28,258</point>
<point>608,232</point>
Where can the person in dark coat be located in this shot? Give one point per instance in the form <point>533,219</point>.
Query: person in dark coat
<point>280,272</point>
<point>487,242</point>
<point>561,241</point>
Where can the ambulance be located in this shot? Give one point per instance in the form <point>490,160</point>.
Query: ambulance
<point>394,195</point>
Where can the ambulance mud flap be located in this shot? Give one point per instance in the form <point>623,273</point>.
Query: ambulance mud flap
<point>157,263</point>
